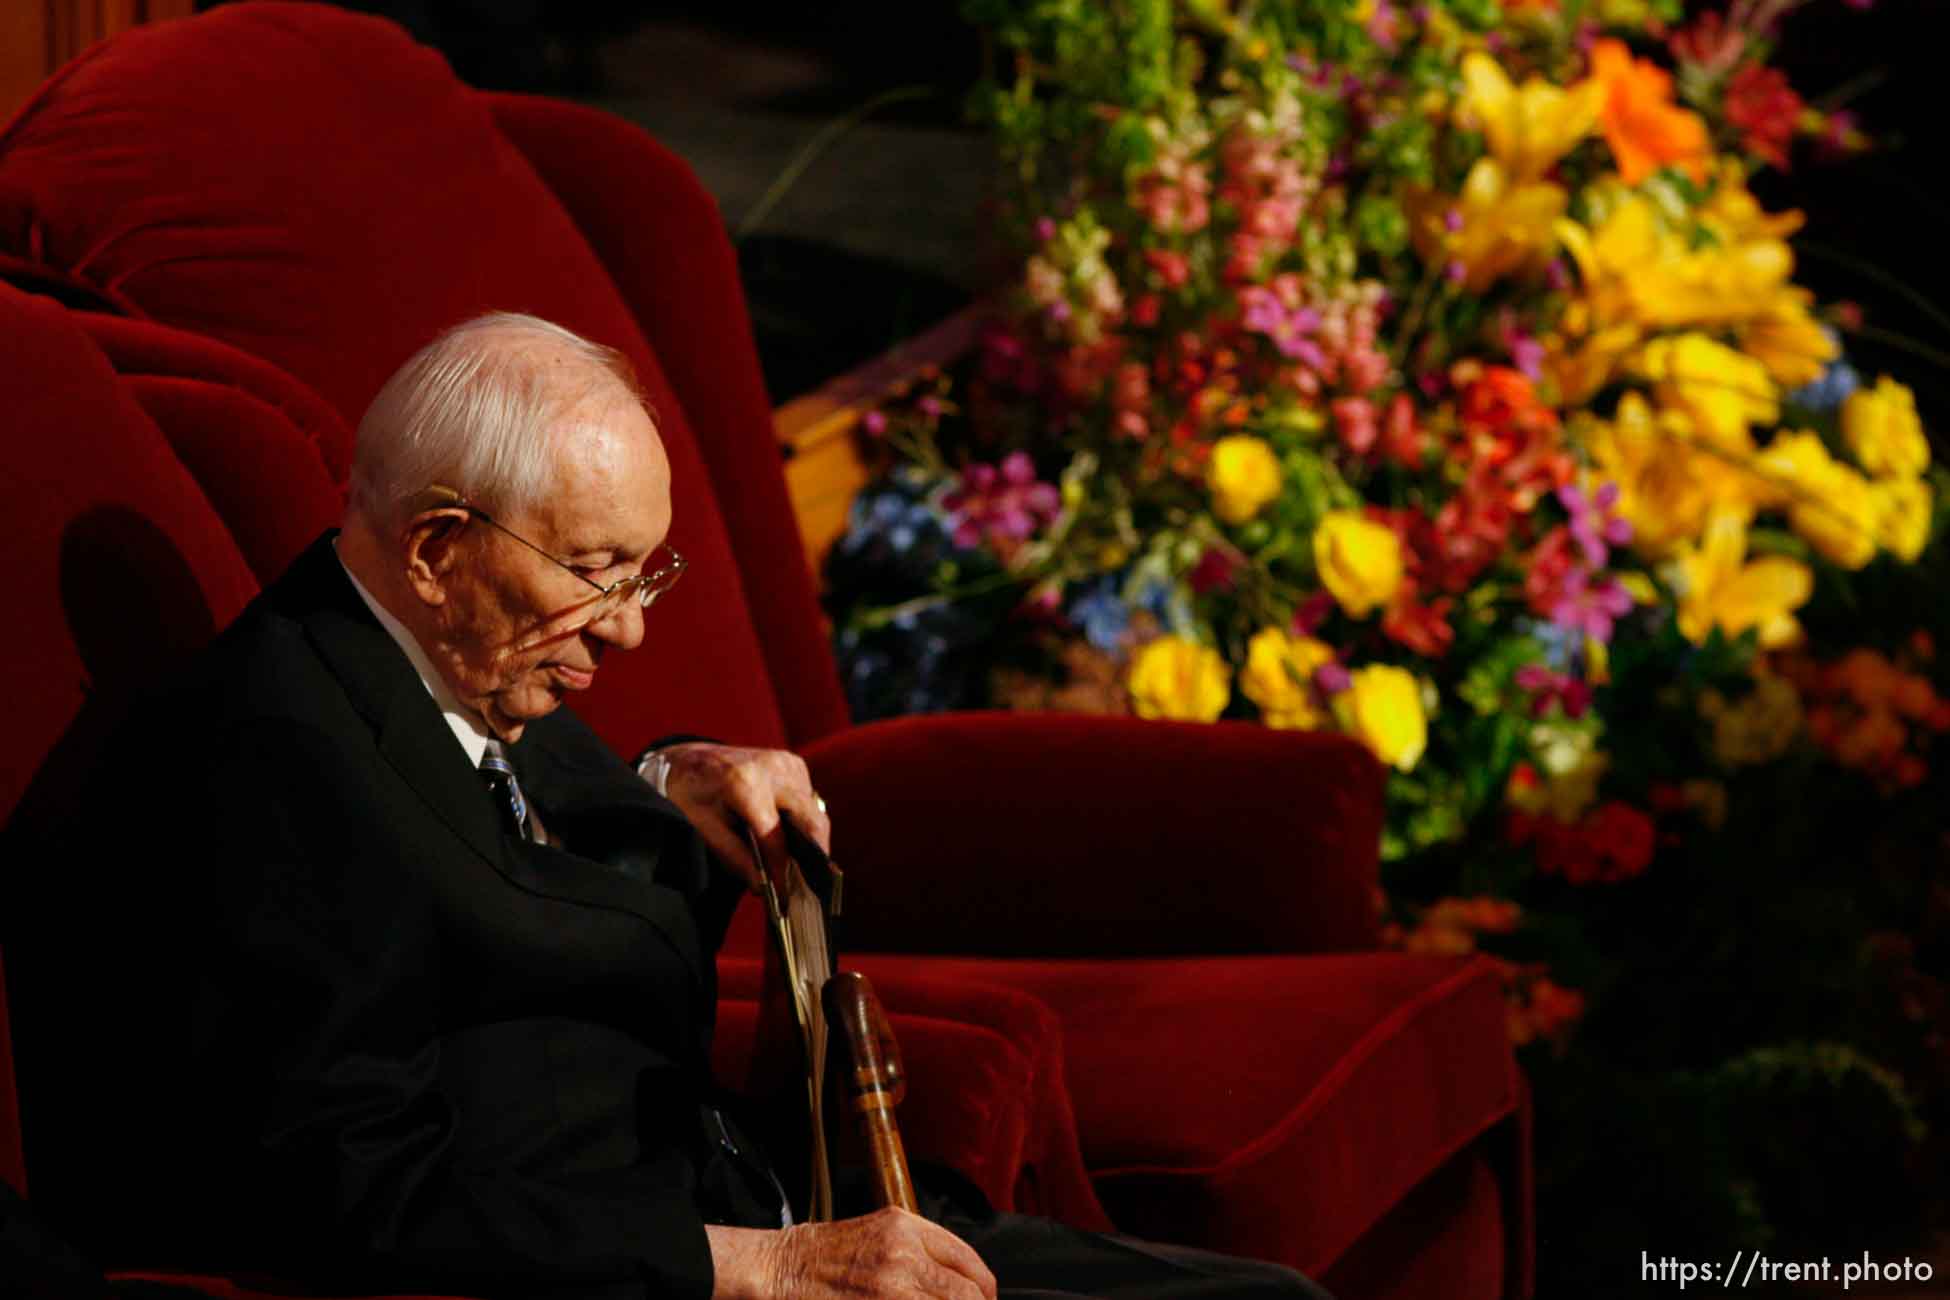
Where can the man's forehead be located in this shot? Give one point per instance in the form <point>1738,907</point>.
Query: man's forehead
<point>611,473</point>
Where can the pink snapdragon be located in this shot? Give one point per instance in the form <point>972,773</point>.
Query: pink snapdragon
<point>1175,196</point>
<point>1278,311</point>
<point>1173,269</point>
<point>1270,192</point>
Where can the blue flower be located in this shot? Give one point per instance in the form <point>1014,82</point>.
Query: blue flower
<point>1101,614</point>
<point>1171,605</point>
<point>1153,596</point>
<point>1563,646</point>
<point>1827,393</point>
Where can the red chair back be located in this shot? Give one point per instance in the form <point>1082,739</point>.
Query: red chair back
<point>233,228</point>
<point>311,196</point>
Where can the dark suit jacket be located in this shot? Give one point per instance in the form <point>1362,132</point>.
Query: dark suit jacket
<point>308,1008</point>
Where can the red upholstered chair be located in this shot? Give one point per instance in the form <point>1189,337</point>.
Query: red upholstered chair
<point>1131,963</point>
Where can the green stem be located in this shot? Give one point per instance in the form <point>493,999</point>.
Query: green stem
<point>885,614</point>
<point>1903,343</point>
<point>1412,318</point>
<point>1855,87</point>
<point>1883,279</point>
<point>810,151</point>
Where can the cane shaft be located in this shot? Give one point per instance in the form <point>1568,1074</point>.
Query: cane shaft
<point>892,1183</point>
<point>875,1081</point>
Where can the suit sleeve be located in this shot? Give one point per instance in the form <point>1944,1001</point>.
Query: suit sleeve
<point>317,1031</point>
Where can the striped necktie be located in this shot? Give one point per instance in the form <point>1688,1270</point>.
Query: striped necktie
<point>500,777</point>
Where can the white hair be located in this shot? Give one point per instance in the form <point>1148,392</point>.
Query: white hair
<point>479,410</point>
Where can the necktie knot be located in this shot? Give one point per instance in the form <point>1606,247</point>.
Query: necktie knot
<point>499,774</point>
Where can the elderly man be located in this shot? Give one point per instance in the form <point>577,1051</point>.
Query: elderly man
<point>433,1009</point>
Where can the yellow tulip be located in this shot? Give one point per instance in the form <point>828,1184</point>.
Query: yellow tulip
<point>1527,129</point>
<point>1382,708</point>
<point>1244,476</point>
<point>1903,511</point>
<point>1360,561</point>
<point>1882,429</point>
<point>1279,675</point>
<point>1827,502</point>
<point>1721,588</point>
<point>1175,678</point>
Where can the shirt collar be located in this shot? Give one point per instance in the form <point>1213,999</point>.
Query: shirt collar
<point>466,725</point>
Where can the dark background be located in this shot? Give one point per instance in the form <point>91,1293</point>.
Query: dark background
<point>880,234</point>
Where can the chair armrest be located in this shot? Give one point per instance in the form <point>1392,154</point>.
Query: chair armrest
<point>1061,835</point>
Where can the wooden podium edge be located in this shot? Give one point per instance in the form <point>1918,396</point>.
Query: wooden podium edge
<point>824,468</point>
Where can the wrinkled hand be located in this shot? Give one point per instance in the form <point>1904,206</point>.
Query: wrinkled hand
<point>723,788</point>
<point>887,1254</point>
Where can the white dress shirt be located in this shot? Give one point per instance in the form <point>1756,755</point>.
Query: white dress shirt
<point>466,724</point>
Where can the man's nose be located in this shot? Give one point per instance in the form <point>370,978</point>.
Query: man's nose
<point>620,626</point>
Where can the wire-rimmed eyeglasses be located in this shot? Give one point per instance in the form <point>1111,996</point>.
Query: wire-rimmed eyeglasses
<point>661,572</point>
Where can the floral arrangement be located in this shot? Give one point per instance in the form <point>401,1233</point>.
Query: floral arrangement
<point>1426,372</point>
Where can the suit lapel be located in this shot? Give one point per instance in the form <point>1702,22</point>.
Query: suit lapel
<point>415,740</point>
<point>604,808</point>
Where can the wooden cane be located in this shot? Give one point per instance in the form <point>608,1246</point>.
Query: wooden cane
<point>875,1083</point>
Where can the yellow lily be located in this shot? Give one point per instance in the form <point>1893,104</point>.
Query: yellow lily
<point>1626,241</point>
<point>1528,128</point>
<point>1607,319</point>
<point>1639,274</point>
<point>1723,391</point>
<point>1787,340</point>
<point>1501,224</point>
<point>1667,486</point>
<point>1720,587</point>
<point>1734,216</point>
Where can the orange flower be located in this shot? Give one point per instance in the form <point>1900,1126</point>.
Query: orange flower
<point>1645,129</point>
<point>1543,1010</point>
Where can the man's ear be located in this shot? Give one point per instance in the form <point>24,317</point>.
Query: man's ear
<point>429,541</point>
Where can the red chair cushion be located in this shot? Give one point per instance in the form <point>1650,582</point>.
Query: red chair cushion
<point>1269,1106</point>
<point>314,189</point>
<point>987,1093</point>
<point>1062,834</point>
